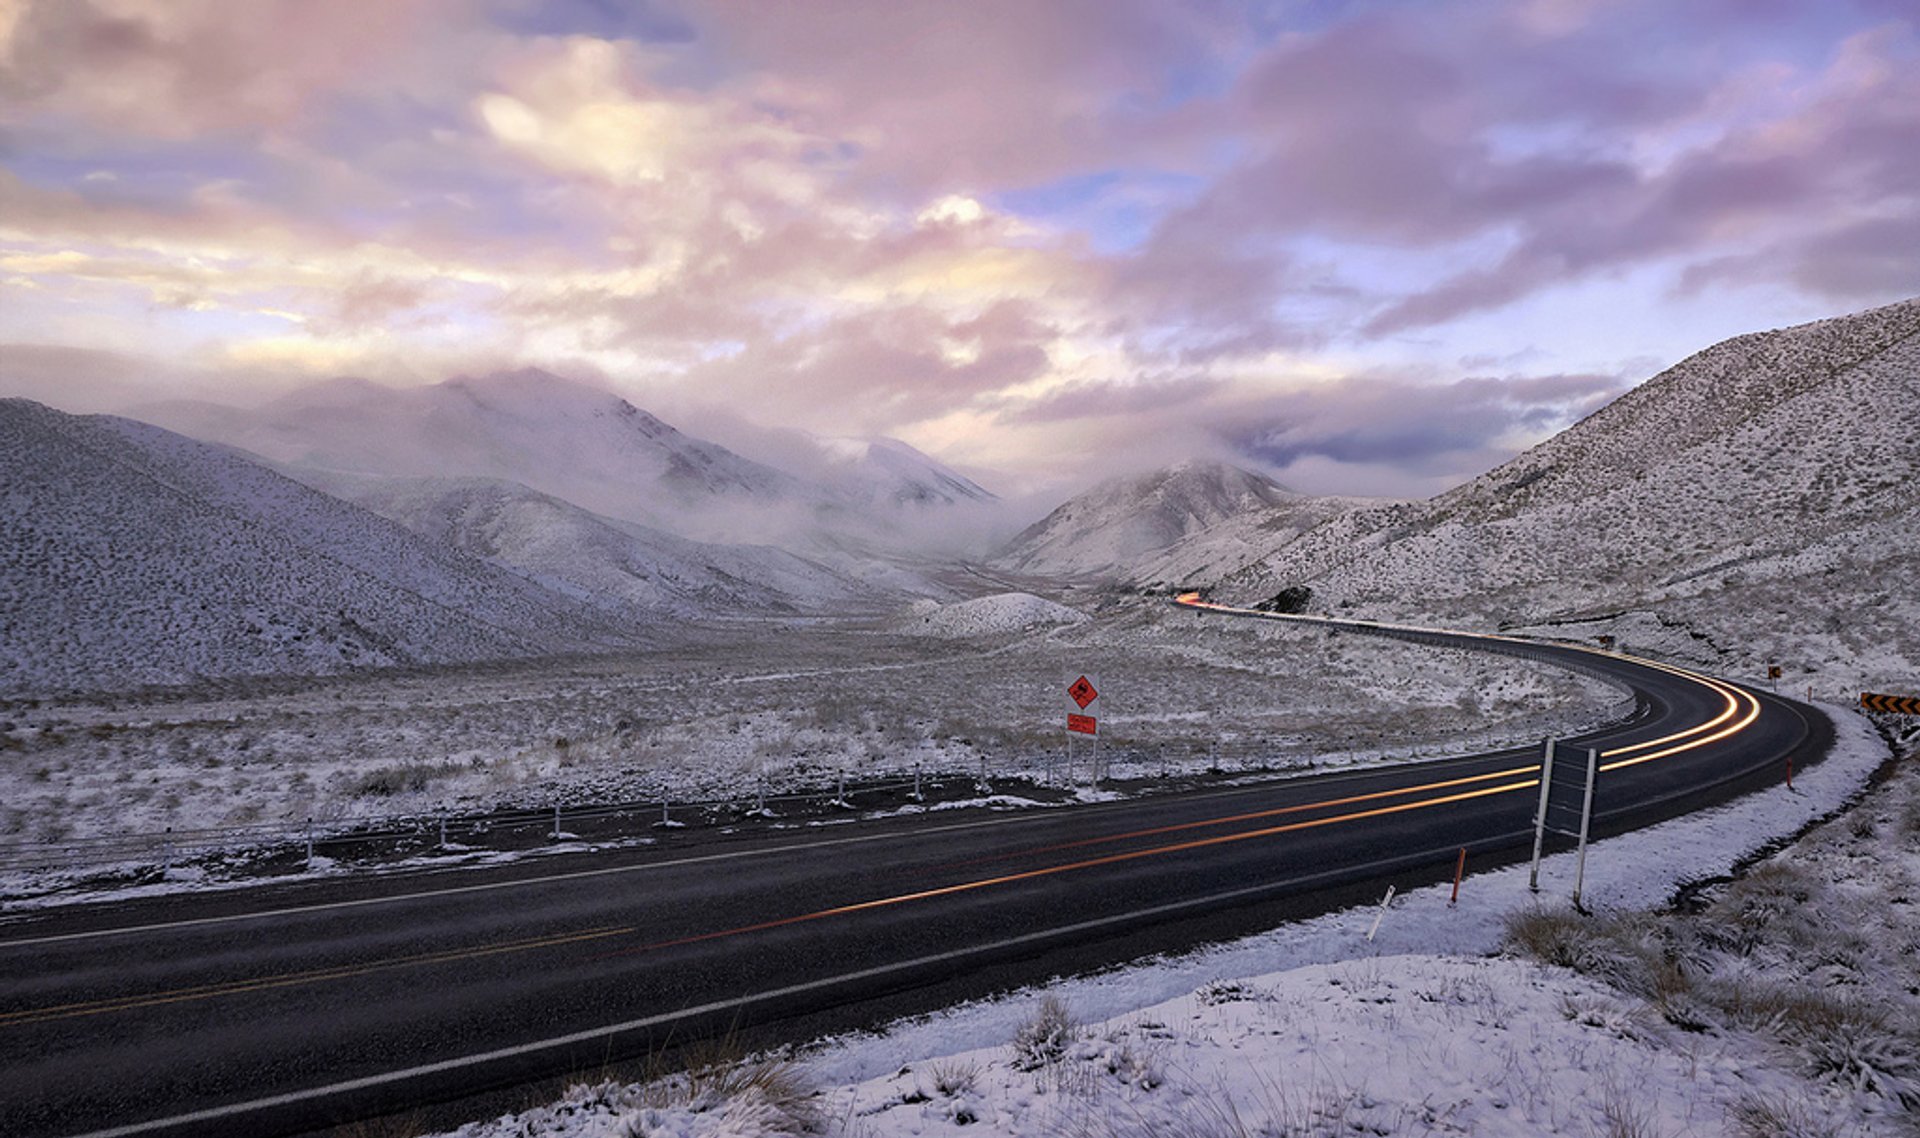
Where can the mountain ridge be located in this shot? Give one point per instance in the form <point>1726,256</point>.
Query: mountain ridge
<point>1763,492</point>
<point>135,556</point>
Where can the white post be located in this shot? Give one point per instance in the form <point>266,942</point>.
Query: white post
<point>1540,816</point>
<point>443,831</point>
<point>556,821</point>
<point>1586,816</point>
<point>1381,915</point>
<point>917,796</point>
<point>309,840</point>
<point>985,786</point>
<point>664,820</point>
<point>166,854</point>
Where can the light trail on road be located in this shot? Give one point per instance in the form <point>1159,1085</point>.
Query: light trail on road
<point>375,995</point>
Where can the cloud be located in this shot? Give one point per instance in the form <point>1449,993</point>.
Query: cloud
<point>981,96</point>
<point>178,68</point>
<point>1099,229</point>
<point>1449,430</point>
<point>1851,153</point>
<point>1155,399</point>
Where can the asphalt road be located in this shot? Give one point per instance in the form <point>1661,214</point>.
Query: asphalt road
<point>451,995</point>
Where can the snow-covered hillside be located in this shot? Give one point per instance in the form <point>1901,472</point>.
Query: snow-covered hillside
<point>614,564</point>
<point>1758,502</point>
<point>1129,528</point>
<point>130,555</point>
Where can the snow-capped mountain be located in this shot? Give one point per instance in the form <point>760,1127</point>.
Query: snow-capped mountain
<point>882,470</point>
<point>1153,526</point>
<point>610,563</point>
<point>131,555</point>
<point>565,439</point>
<point>1763,493</point>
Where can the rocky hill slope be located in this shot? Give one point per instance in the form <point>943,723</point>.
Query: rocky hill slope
<point>1758,502</point>
<point>130,555</point>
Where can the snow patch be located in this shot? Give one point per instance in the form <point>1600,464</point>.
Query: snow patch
<point>988,616</point>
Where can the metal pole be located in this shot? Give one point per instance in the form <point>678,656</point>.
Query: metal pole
<point>443,831</point>
<point>1540,816</point>
<point>1586,817</point>
<point>309,841</point>
<point>985,787</point>
<point>917,796</point>
<point>556,821</point>
<point>1381,915</point>
<point>166,854</point>
<point>1459,870</point>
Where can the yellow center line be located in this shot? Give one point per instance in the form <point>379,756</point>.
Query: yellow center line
<point>1525,778</point>
<point>1089,863</point>
<point>1257,815</point>
<point>293,979</point>
<point>1733,696</point>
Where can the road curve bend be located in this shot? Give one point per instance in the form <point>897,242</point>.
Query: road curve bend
<point>446,996</point>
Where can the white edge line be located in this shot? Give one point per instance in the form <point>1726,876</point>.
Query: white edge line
<point>368,1081</point>
<point>585,874</point>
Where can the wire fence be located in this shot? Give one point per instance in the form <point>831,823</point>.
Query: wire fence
<point>1042,771</point>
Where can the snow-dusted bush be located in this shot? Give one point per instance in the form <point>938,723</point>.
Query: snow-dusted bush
<point>1044,1039</point>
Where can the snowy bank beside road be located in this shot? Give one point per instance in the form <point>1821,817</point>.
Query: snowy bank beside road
<point>1332,1031</point>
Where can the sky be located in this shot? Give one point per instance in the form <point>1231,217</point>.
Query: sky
<point>1370,247</point>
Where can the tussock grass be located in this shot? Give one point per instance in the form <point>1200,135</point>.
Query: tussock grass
<point>1045,1038</point>
<point>1758,1117</point>
<point>1816,952</point>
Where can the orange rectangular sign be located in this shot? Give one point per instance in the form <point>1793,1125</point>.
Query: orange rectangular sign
<point>1084,724</point>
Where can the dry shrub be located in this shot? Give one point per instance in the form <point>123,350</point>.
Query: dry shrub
<point>1756,1117</point>
<point>1043,1040</point>
<point>764,1094</point>
<point>953,1076</point>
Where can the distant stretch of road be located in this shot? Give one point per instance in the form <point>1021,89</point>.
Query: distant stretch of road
<point>292,1008</point>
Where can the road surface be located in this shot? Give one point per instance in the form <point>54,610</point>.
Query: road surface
<point>450,995</point>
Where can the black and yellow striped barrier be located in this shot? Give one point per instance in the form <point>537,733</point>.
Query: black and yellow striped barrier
<point>1896,704</point>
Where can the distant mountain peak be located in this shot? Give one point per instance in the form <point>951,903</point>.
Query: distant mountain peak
<point>1113,527</point>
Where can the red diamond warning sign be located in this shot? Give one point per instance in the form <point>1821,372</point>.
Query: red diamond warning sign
<point>1081,692</point>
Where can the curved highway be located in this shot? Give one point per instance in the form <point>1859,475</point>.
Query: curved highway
<point>444,996</point>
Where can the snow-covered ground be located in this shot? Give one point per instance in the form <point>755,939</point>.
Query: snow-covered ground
<point>800,709</point>
<point>986,616</point>
<point>1316,1030</point>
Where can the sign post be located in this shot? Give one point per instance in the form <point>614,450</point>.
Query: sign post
<point>1083,718</point>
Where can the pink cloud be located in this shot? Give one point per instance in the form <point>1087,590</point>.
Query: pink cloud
<point>185,67</point>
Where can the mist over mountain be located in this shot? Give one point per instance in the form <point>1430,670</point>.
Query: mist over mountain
<point>613,564</point>
<point>586,446</point>
<point>565,439</point>
<point>130,555</point>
